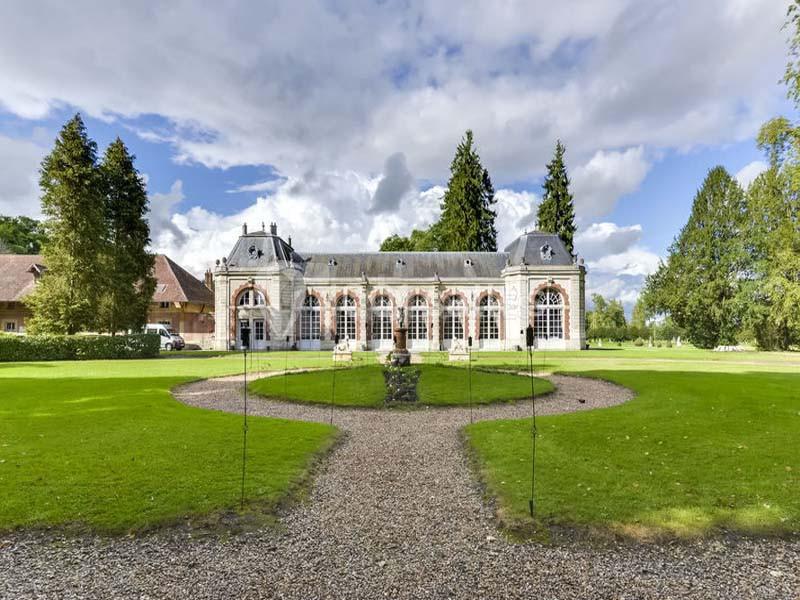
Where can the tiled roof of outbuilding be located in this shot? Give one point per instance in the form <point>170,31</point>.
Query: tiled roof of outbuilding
<point>176,284</point>
<point>18,275</point>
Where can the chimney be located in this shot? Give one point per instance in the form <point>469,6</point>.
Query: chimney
<point>289,241</point>
<point>244,229</point>
<point>208,279</point>
<point>273,228</point>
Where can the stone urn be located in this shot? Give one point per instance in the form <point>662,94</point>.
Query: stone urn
<point>401,357</point>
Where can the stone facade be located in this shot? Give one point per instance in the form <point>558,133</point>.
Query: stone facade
<point>290,299</point>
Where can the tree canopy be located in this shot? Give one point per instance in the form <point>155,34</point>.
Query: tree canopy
<point>556,213</point>
<point>21,235</point>
<point>66,299</point>
<point>467,218</point>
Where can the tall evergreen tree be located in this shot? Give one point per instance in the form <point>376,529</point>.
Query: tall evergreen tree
<point>770,286</point>
<point>698,284</point>
<point>467,221</point>
<point>556,213</point>
<point>128,264</point>
<point>65,301</point>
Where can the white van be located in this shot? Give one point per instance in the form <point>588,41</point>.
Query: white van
<point>169,338</point>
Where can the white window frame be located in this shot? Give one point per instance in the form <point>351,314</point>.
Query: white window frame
<point>453,320</point>
<point>489,319</point>
<point>418,318</point>
<point>310,326</point>
<point>548,321</point>
<point>381,317</point>
<point>346,318</point>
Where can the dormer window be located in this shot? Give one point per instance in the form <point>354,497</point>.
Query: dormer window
<point>546,252</point>
<point>468,262</point>
<point>400,262</point>
<point>331,262</point>
<point>253,252</point>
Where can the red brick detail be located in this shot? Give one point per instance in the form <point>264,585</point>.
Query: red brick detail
<point>428,305</point>
<point>296,315</point>
<point>370,300</point>
<point>340,294</point>
<point>234,299</point>
<point>502,310</point>
<point>564,296</point>
<point>448,294</point>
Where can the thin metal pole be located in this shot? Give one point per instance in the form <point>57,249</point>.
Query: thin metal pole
<point>333,385</point>
<point>532,503</point>
<point>244,429</point>
<point>469,378</point>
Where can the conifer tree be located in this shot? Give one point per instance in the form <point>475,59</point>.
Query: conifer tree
<point>128,265</point>
<point>698,284</point>
<point>467,221</point>
<point>770,285</point>
<point>556,213</point>
<point>66,298</point>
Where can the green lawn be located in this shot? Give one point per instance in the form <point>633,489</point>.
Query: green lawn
<point>364,386</point>
<point>695,452</point>
<point>102,445</point>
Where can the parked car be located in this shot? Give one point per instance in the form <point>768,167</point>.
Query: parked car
<point>170,340</point>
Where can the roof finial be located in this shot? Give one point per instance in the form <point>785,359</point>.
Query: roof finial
<point>244,228</point>
<point>262,226</point>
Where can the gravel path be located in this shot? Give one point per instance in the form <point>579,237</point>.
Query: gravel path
<point>394,513</point>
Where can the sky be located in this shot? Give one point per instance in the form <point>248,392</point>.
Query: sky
<point>338,120</point>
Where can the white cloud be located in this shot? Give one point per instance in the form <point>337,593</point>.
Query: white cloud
<point>602,239</point>
<point>750,171</point>
<point>316,85</point>
<point>19,181</point>
<point>601,182</point>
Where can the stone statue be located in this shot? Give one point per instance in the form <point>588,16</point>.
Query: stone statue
<point>401,317</point>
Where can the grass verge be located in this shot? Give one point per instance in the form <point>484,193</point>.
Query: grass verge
<point>364,386</point>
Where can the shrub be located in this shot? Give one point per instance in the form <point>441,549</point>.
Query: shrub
<point>658,344</point>
<point>77,347</point>
<point>668,344</point>
<point>401,384</point>
<point>639,342</point>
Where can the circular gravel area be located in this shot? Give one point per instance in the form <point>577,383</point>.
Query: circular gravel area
<point>396,513</point>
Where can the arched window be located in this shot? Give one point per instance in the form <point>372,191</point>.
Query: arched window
<point>489,328</point>
<point>309,319</point>
<point>381,318</point>
<point>251,298</point>
<point>453,318</point>
<point>549,315</point>
<point>417,319</point>
<point>346,318</point>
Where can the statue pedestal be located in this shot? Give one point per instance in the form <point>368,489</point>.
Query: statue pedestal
<point>458,352</point>
<point>342,353</point>
<point>401,357</point>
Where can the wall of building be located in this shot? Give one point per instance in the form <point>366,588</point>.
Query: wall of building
<point>194,322</point>
<point>285,290</point>
<point>13,316</point>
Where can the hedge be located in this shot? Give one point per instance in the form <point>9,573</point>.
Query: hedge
<point>77,347</point>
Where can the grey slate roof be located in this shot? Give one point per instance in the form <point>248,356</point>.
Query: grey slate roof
<point>529,246</point>
<point>401,265</point>
<point>260,249</point>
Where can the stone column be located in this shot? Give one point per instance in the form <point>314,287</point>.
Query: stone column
<point>362,317</point>
<point>436,312</point>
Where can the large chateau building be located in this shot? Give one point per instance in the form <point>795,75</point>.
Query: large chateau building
<point>288,298</point>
